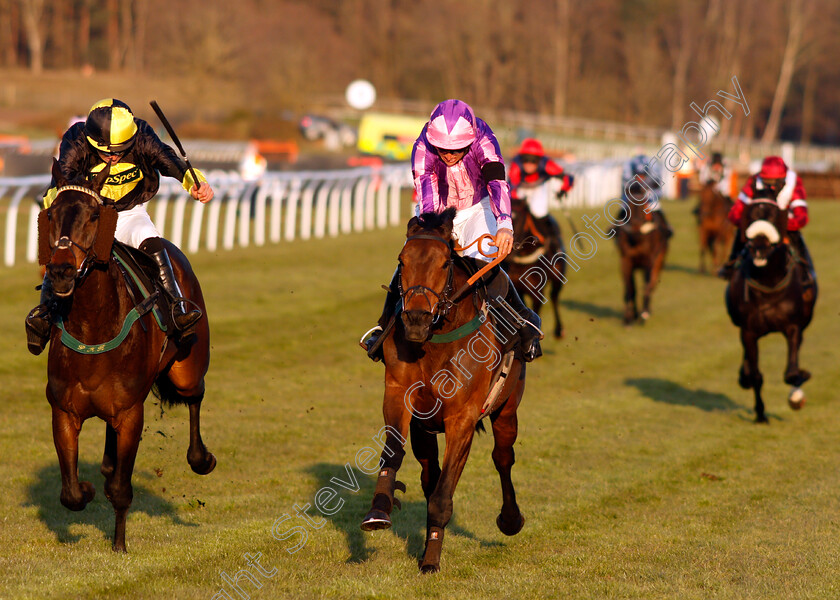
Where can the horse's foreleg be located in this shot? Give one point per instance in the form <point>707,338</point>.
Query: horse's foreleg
<point>425,448</point>
<point>630,313</point>
<point>793,374</point>
<point>75,494</point>
<point>750,376</point>
<point>109,458</point>
<point>556,287</point>
<point>459,436</point>
<point>651,281</point>
<point>118,488</point>
<point>397,419</point>
<point>505,428</point>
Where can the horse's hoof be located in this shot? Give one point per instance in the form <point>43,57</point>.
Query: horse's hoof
<point>796,399</point>
<point>88,493</point>
<point>206,466</point>
<point>430,568</point>
<point>645,316</point>
<point>506,528</point>
<point>119,548</point>
<point>376,519</point>
<point>762,419</point>
<point>744,380</point>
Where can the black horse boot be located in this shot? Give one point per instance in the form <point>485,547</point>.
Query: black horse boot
<point>528,321</point>
<point>373,339</point>
<point>38,322</point>
<point>728,268</point>
<point>184,319</point>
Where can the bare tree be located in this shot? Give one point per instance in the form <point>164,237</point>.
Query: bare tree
<point>796,23</point>
<point>32,13</point>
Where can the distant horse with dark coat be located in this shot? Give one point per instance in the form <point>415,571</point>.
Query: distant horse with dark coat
<point>714,229</point>
<point>642,245</point>
<point>529,246</point>
<point>770,291</point>
<point>446,367</point>
<point>90,372</point>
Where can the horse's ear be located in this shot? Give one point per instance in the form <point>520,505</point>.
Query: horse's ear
<point>58,177</point>
<point>44,251</point>
<point>413,224</point>
<point>447,217</point>
<point>99,180</point>
<point>105,233</point>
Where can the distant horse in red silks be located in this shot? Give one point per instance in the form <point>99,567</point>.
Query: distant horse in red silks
<point>76,235</point>
<point>529,246</point>
<point>441,333</point>
<point>714,229</point>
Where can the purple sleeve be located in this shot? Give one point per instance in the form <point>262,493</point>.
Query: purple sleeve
<point>499,190</point>
<point>425,177</point>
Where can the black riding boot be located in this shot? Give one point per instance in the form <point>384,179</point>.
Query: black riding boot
<point>798,244</point>
<point>728,268</point>
<point>529,324</point>
<point>373,339</point>
<point>38,322</point>
<point>184,319</point>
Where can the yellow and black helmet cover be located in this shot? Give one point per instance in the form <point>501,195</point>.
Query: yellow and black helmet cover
<point>110,126</point>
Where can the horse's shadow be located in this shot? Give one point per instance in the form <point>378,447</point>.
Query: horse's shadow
<point>662,390</point>
<point>409,523</point>
<point>595,310</point>
<point>45,490</point>
<point>684,269</point>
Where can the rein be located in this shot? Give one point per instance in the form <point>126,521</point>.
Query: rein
<point>790,263</point>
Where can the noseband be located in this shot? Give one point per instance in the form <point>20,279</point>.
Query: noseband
<point>442,303</point>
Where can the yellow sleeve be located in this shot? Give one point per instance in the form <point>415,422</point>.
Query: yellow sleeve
<point>188,182</point>
<point>49,197</point>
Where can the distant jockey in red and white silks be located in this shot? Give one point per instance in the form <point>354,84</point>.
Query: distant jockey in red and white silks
<point>777,183</point>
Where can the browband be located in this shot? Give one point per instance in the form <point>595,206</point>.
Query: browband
<point>78,188</point>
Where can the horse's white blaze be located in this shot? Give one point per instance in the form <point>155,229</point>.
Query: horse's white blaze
<point>647,228</point>
<point>764,228</point>
<point>760,262</point>
<point>796,399</point>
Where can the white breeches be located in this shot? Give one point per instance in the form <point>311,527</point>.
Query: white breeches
<point>134,226</point>
<point>470,224</point>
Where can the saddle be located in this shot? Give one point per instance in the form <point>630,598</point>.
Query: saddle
<point>140,273</point>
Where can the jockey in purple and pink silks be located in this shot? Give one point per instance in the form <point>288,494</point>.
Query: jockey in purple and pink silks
<point>456,162</point>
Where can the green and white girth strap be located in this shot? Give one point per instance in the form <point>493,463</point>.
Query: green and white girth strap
<point>82,348</point>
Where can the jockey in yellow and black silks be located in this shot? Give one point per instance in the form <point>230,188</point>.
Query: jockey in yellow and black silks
<point>113,138</point>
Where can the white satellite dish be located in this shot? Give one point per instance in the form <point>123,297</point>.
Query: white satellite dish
<point>360,94</point>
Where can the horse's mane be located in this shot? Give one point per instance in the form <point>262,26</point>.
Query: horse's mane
<point>430,221</point>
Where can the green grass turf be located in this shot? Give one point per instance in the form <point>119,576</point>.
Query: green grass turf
<point>640,471</point>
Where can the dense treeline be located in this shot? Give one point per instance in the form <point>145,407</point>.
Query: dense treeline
<point>639,61</point>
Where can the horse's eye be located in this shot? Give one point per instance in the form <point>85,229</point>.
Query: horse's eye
<point>94,216</point>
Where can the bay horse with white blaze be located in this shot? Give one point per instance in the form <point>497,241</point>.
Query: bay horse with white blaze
<point>443,346</point>
<point>77,233</point>
<point>642,245</point>
<point>770,291</point>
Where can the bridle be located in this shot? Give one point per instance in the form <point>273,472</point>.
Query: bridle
<point>65,243</point>
<point>442,304</point>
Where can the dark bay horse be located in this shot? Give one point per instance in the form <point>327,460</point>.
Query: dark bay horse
<point>111,385</point>
<point>714,229</point>
<point>442,385</point>
<point>770,291</point>
<point>529,246</point>
<point>642,246</point>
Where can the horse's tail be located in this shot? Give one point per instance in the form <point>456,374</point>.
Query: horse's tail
<point>168,394</point>
<point>479,427</point>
